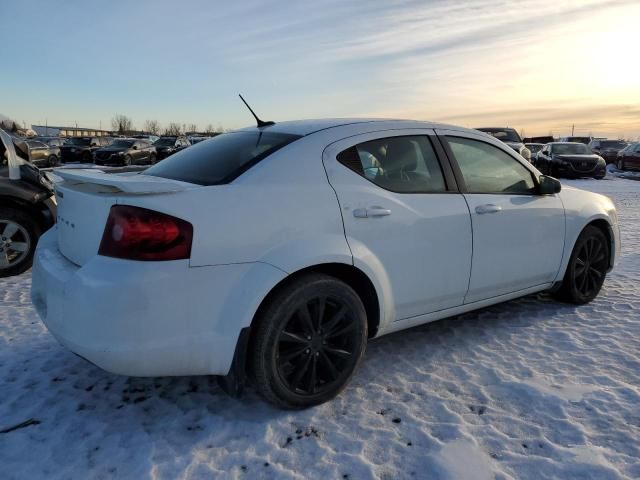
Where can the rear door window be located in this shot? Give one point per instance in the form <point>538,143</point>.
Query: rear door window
<point>399,164</point>
<point>221,159</point>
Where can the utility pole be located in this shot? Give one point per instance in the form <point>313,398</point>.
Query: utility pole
<point>572,129</point>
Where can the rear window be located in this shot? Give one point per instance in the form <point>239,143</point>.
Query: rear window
<point>222,158</point>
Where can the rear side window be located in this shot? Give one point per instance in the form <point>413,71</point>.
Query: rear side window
<point>400,164</point>
<point>487,169</point>
<point>221,159</point>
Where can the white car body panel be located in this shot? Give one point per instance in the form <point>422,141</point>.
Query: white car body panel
<point>281,216</point>
<point>422,249</point>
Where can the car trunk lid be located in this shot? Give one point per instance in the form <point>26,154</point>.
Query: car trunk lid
<point>85,198</point>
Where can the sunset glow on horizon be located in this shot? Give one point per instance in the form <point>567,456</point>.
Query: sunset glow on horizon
<point>538,66</point>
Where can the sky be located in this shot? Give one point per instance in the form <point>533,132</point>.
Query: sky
<point>540,66</point>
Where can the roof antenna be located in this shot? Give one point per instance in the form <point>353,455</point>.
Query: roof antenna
<point>261,123</point>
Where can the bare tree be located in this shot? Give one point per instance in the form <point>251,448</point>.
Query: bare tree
<point>121,124</point>
<point>152,126</point>
<point>209,129</point>
<point>193,128</point>
<point>173,128</point>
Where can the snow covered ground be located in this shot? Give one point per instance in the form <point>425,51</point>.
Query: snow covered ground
<point>528,389</point>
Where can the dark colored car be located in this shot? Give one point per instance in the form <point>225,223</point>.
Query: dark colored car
<point>126,151</point>
<point>543,139</point>
<point>574,139</point>
<point>607,149</point>
<point>510,137</point>
<point>27,210</point>
<point>80,149</point>
<point>570,160</point>
<point>629,157</point>
<point>166,146</point>
<point>40,154</point>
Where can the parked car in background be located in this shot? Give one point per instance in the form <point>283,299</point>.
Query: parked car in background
<point>193,140</point>
<point>572,139</point>
<point>126,151</point>
<point>27,207</point>
<point>543,139</point>
<point>607,149</point>
<point>570,160</point>
<point>80,149</point>
<point>43,155</point>
<point>168,145</point>
<point>52,141</point>
<point>277,251</point>
<point>511,138</point>
<point>534,148</point>
<point>629,157</point>
<point>148,138</point>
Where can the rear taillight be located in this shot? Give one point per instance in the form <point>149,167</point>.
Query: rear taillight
<point>137,233</point>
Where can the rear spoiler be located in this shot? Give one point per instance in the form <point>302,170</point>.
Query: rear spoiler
<point>133,183</point>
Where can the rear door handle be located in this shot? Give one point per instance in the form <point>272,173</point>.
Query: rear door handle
<point>488,208</point>
<point>374,211</point>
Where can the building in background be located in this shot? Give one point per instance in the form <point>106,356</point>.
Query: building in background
<point>52,131</point>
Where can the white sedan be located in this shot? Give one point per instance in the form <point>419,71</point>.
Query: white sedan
<point>276,252</point>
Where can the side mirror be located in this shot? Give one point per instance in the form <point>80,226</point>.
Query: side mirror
<point>548,185</point>
<point>135,147</point>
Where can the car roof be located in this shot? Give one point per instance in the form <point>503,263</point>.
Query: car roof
<point>565,143</point>
<point>307,127</point>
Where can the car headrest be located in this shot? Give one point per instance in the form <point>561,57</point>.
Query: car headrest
<point>401,155</point>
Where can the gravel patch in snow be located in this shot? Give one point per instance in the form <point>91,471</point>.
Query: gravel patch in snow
<point>527,389</point>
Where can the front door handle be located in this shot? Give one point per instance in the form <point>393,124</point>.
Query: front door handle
<point>374,211</point>
<point>488,208</point>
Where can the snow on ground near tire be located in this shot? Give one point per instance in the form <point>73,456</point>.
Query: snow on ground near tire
<point>527,389</point>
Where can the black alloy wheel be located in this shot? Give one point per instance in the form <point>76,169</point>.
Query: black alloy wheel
<point>308,342</point>
<point>587,267</point>
<point>620,164</point>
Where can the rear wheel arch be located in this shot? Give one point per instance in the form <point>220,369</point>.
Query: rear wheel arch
<point>352,276</point>
<point>234,381</point>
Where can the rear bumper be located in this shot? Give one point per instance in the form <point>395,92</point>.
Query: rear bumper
<point>146,318</point>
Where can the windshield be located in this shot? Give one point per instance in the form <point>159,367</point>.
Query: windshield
<point>503,134</point>
<point>165,142</point>
<point>571,149</point>
<point>613,144</point>
<point>79,141</point>
<point>122,143</point>
<point>221,159</point>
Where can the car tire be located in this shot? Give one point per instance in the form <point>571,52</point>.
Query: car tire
<point>17,227</point>
<point>152,159</point>
<point>87,157</point>
<point>52,161</point>
<point>294,363</point>
<point>587,267</point>
<point>620,164</point>
<point>127,160</point>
